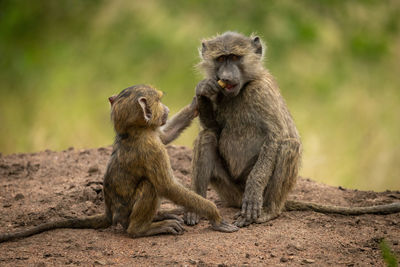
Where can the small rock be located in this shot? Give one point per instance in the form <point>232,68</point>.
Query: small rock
<point>193,262</point>
<point>19,196</point>
<point>308,261</point>
<point>93,169</point>
<point>7,205</point>
<point>283,259</point>
<point>247,256</point>
<point>272,255</point>
<point>341,188</point>
<point>256,244</point>
<point>100,262</point>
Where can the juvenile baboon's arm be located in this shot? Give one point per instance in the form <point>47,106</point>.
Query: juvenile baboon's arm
<point>166,186</point>
<point>258,179</point>
<point>179,122</point>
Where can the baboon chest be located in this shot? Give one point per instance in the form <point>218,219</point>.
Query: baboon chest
<point>241,136</point>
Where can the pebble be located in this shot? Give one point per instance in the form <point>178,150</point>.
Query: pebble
<point>93,169</point>
<point>308,261</point>
<point>19,196</point>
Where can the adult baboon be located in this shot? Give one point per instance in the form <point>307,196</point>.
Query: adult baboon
<point>249,149</point>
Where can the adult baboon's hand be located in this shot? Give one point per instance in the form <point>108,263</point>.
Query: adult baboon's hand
<point>207,88</point>
<point>251,206</point>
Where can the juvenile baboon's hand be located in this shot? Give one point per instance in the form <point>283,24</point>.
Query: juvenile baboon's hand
<point>251,206</point>
<point>207,88</point>
<point>224,227</point>
<point>191,218</point>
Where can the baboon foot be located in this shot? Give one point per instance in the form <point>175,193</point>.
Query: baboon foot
<point>266,216</point>
<point>167,216</point>
<point>224,227</point>
<point>241,221</point>
<point>173,227</point>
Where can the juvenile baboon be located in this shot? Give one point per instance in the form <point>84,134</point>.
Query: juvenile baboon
<point>249,149</point>
<point>139,171</point>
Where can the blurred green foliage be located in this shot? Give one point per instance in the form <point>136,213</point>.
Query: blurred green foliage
<point>388,256</point>
<point>337,63</point>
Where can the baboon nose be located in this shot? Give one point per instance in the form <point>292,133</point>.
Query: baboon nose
<point>227,81</point>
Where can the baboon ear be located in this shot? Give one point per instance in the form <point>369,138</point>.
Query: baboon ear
<point>112,99</point>
<point>257,44</point>
<point>203,48</point>
<point>146,110</point>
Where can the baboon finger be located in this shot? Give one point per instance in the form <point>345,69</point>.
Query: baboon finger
<point>173,231</point>
<point>244,208</point>
<point>249,210</point>
<point>255,211</point>
<point>176,227</point>
<point>191,218</point>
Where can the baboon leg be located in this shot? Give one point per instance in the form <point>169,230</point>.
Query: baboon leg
<point>205,154</point>
<point>227,190</point>
<point>143,211</point>
<point>282,180</point>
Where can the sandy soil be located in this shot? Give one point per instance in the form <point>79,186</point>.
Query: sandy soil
<point>45,186</point>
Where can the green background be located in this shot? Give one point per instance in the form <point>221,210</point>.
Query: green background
<point>337,64</point>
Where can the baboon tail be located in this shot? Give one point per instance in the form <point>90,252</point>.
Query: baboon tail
<point>308,206</point>
<point>91,222</point>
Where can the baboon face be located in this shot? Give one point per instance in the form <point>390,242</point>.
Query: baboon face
<point>139,105</point>
<point>228,70</point>
<point>232,58</point>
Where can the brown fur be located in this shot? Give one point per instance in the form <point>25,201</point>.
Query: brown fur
<point>139,172</point>
<point>249,149</point>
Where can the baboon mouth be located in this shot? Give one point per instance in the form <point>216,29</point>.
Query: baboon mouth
<point>230,86</point>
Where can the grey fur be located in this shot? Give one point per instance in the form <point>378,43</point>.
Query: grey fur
<point>249,149</point>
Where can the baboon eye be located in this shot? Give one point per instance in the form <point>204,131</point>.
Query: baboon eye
<point>234,57</point>
<point>220,59</point>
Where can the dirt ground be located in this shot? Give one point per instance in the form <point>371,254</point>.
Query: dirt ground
<point>45,186</point>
